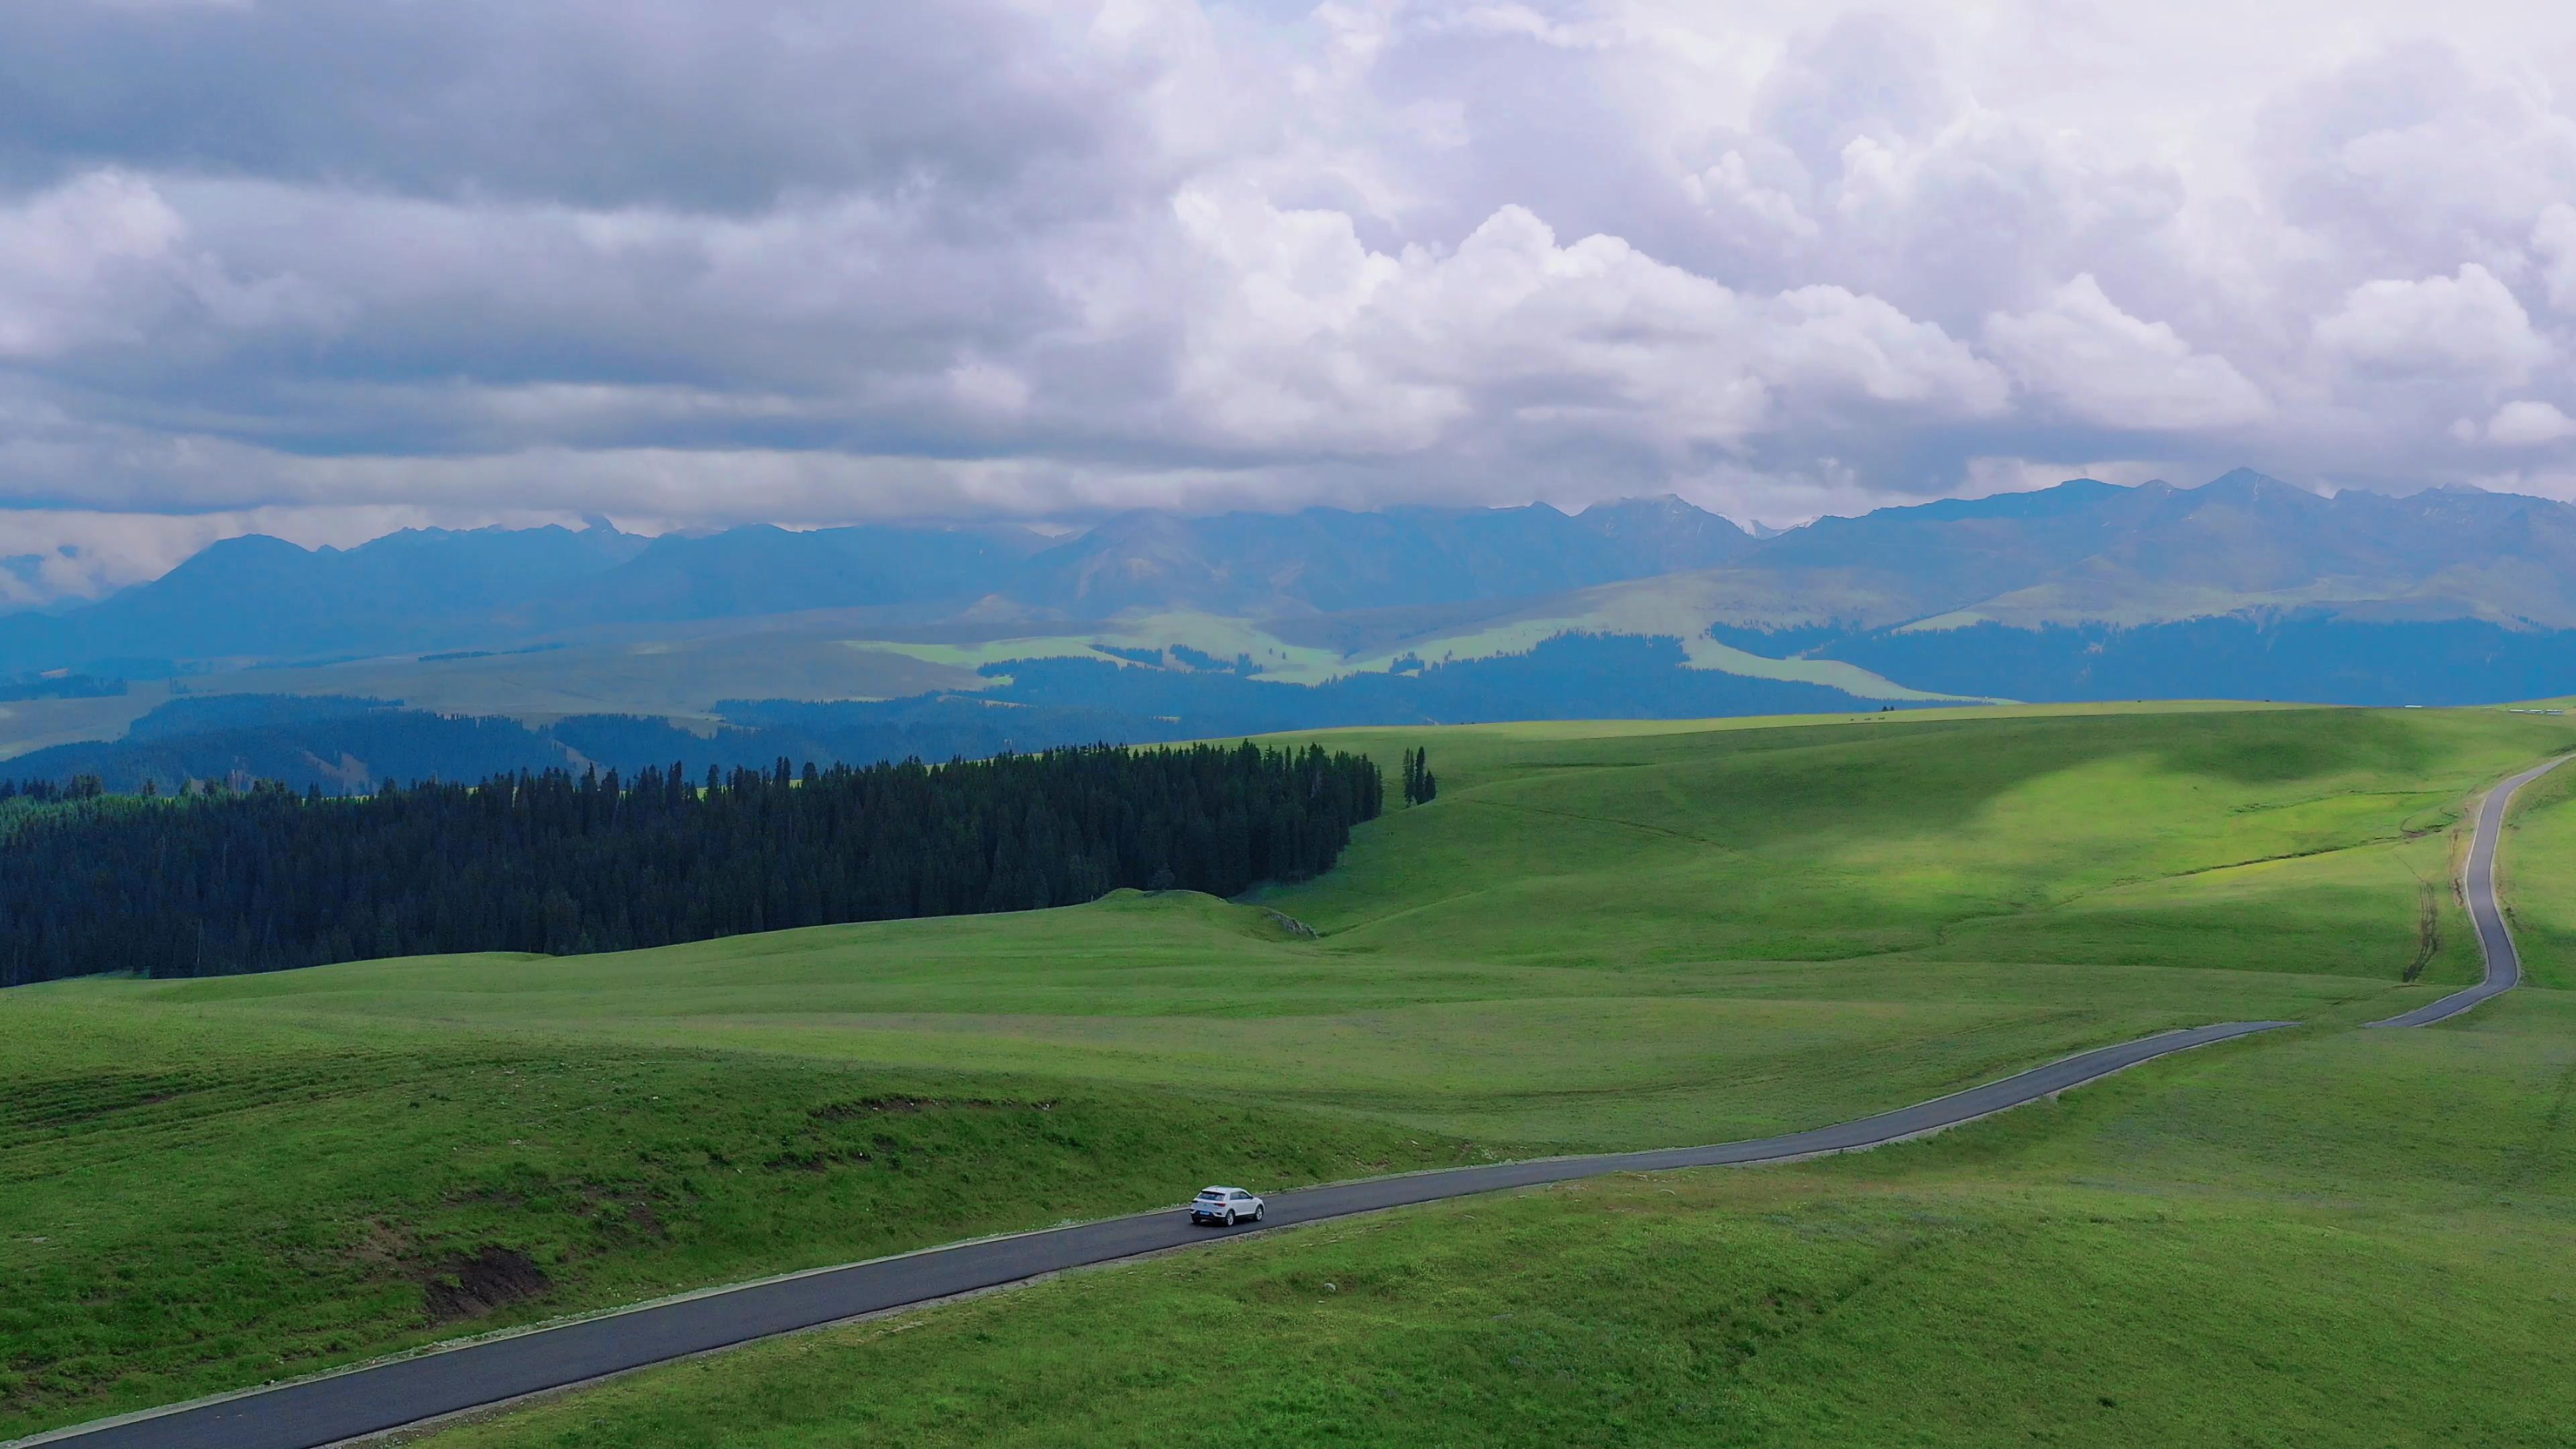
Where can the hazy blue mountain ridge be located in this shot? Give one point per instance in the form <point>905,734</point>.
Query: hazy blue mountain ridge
<point>764,569</point>
<point>257,597</point>
<point>263,598</point>
<point>1330,560</point>
<point>2043,594</point>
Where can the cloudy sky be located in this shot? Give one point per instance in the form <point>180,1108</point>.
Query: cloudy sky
<point>326,269</point>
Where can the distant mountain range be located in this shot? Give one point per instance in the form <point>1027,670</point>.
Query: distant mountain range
<point>260,599</point>
<point>1159,624</point>
<point>2085,552</point>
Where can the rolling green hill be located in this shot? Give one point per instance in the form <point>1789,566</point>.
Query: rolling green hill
<point>1599,935</point>
<point>2332,1238</point>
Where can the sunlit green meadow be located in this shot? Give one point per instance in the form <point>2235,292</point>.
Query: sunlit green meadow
<point>1598,936</point>
<point>2319,1238</point>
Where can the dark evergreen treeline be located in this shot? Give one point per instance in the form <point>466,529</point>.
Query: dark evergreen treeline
<point>268,879</point>
<point>61,686</point>
<point>1421,787</point>
<point>42,791</point>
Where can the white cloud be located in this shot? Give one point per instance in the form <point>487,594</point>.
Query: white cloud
<point>2465,327</point>
<point>662,258</point>
<point>2412,157</point>
<point>2106,367</point>
<point>103,260</point>
<point>2527,423</point>
<point>2553,240</point>
<point>52,553</point>
<point>1730,188</point>
<point>1306,333</point>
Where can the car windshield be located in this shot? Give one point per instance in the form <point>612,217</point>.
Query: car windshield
<point>1212,1194</point>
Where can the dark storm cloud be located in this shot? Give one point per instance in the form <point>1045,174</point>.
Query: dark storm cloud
<point>592,102</point>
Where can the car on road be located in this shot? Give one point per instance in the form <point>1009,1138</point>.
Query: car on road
<point>1227,1205</point>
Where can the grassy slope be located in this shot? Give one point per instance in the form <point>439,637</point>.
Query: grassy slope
<point>33,724</point>
<point>199,1194</point>
<point>678,676</point>
<point>1600,935</point>
<point>2536,876</point>
<point>2333,1238</point>
<point>1676,607</point>
<point>2050,837</point>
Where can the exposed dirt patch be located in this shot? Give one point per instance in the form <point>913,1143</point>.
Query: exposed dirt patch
<point>2428,934</point>
<point>819,1161</point>
<point>613,1208</point>
<point>380,1244</point>
<point>865,1106</point>
<point>1293,926</point>
<point>852,1111</point>
<point>471,1287</point>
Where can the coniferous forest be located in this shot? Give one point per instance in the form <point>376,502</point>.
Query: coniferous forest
<point>268,879</point>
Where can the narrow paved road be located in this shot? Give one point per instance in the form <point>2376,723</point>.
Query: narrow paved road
<point>364,1401</point>
<point>2504,963</point>
<point>368,1400</point>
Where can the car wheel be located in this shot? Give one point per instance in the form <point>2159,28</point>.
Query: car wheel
<point>1229,1217</point>
<point>1257,1212</point>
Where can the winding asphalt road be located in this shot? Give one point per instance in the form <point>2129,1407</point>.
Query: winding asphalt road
<point>362,1401</point>
<point>2504,963</point>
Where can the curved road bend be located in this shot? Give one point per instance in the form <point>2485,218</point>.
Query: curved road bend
<point>2504,963</point>
<point>369,1400</point>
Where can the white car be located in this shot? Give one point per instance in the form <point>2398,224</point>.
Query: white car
<point>1227,1205</point>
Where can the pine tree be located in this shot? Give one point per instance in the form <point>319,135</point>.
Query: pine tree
<point>1419,786</point>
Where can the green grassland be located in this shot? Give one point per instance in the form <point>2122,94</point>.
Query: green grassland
<point>1672,606</point>
<point>34,724</point>
<point>2536,877</point>
<point>246,1199</point>
<point>2330,1238</point>
<point>1678,606</point>
<point>1212,634</point>
<point>1598,936</point>
<point>676,672</point>
<point>2092,836</point>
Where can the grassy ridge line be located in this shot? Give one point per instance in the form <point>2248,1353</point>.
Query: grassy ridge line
<point>1598,937</point>
<point>1632,728</point>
